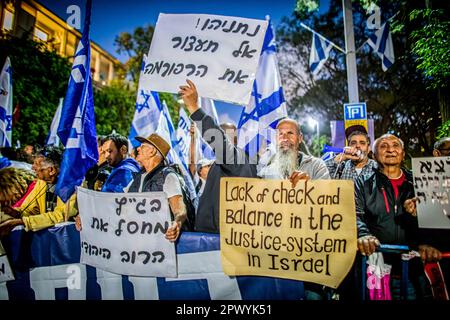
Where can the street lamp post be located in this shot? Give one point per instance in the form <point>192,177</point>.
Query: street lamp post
<point>313,123</point>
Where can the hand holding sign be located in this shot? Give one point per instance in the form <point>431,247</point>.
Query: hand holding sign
<point>190,96</point>
<point>173,231</point>
<point>410,206</point>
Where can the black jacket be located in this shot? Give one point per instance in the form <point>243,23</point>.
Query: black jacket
<point>154,181</point>
<point>380,215</point>
<point>230,162</point>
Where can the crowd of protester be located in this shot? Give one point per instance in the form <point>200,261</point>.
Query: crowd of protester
<point>384,194</point>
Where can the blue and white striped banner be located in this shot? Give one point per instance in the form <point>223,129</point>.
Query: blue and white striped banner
<point>46,267</point>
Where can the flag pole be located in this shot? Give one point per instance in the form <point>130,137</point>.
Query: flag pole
<point>350,56</point>
<point>322,37</point>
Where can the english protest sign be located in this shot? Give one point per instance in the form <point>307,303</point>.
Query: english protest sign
<point>306,233</point>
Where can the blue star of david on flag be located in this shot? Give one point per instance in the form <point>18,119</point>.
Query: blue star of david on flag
<point>6,95</point>
<point>381,42</point>
<point>144,104</point>
<point>267,106</point>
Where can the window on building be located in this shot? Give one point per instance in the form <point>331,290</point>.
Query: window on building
<point>40,34</point>
<point>8,20</point>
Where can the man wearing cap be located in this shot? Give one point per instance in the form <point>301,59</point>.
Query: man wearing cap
<point>156,176</point>
<point>354,161</point>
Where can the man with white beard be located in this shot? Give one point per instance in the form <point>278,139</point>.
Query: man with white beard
<point>289,162</point>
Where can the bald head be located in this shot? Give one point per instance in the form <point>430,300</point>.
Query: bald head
<point>292,122</point>
<point>389,151</point>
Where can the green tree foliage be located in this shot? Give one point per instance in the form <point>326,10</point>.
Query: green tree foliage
<point>114,108</point>
<point>317,144</point>
<point>173,106</point>
<point>398,100</point>
<point>135,46</point>
<point>431,45</point>
<point>444,130</point>
<point>39,79</point>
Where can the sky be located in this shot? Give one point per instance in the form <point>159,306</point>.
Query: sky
<point>111,17</point>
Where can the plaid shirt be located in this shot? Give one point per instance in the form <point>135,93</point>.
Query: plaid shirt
<point>349,172</point>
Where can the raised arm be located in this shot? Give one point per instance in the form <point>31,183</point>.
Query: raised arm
<point>225,150</point>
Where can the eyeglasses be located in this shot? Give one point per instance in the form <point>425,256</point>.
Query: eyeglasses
<point>42,168</point>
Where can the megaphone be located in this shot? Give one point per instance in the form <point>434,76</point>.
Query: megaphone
<point>327,148</point>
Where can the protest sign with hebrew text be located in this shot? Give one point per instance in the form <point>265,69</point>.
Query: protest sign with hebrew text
<point>432,189</point>
<point>124,233</point>
<point>219,54</point>
<point>307,233</point>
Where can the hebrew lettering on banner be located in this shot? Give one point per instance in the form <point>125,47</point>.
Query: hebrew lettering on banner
<point>124,233</point>
<point>305,233</point>
<point>55,272</point>
<point>432,189</point>
<point>219,54</point>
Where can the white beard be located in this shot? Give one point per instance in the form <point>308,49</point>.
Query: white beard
<point>286,162</point>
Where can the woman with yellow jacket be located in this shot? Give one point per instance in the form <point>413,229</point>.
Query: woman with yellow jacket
<point>41,208</point>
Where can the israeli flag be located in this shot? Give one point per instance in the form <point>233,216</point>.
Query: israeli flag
<point>320,51</point>
<point>6,96</point>
<point>77,125</point>
<point>184,136</point>
<point>209,107</point>
<point>267,105</point>
<point>202,148</point>
<point>381,42</point>
<point>147,113</point>
<point>52,138</point>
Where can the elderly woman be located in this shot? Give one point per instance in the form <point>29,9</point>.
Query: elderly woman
<point>15,185</point>
<point>42,208</point>
<point>384,214</point>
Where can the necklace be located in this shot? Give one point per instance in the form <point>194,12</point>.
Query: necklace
<point>401,173</point>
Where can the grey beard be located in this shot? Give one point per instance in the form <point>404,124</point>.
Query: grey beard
<point>286,162</point>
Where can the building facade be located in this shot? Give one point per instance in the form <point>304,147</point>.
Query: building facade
<point>28,16</point>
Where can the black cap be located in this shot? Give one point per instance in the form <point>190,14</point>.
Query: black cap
<point>354,128</point>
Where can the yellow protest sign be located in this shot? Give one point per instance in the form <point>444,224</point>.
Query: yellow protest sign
<point>307,233</point>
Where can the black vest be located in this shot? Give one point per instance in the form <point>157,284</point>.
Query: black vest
<point>154,181</point>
